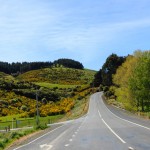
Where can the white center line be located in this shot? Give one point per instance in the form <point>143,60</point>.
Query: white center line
<point>111,129</point>
<point>67,145</point>
<point>99,114</point>
<point>70,140</point>
<point>114,132</point>
<point>46,145</point>
<point>130,148</point>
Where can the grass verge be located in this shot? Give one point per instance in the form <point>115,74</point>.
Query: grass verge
<point>7,138</point>
<point>79,110</point>
<point>113,102</point>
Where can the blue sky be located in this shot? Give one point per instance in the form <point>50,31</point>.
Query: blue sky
<point>84,30</point>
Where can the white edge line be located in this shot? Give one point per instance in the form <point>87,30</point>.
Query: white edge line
<point>38,138</point>
<point>114,132</point>
<point>125,119</point>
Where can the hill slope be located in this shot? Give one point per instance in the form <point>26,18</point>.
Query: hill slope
<point>58,88</point>
<point>59,76</point>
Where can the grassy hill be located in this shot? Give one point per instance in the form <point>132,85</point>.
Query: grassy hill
<point>6,77</point>
<point>58,91</point>
<point>65,76</point>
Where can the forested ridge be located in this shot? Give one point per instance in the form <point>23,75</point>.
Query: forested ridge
<point>126,80</point>
<point>21,67</point>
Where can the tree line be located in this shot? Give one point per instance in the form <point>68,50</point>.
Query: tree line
<point>18,67</point>
<point>127,80</point>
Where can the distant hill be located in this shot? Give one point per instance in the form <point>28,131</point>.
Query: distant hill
<point>17,68</point>
<point>59,75</point>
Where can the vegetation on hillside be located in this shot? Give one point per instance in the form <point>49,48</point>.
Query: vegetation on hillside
<point>59,75</point>
<point>104,75</point>
<point>129,82</point>
<point>69,63</point>
<point>18,68</point>
<point>18,95</point>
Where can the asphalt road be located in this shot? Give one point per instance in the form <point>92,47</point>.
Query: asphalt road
<point>100,129</point>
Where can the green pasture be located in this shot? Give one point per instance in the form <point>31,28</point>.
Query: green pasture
<point>49,85</point>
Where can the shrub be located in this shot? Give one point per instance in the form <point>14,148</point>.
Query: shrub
<point>105,88</point>
<point>108,93</point>
<point>24,115</point>
<point>13,135</point>
<point>24,108</point>
<point>1,144</point>
<point>5,140</point>
<point>42,127</point>
<point>101,87</point>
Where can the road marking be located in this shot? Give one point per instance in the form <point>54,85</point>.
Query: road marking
<point>73,135</point>
<point>114,132</point>
<point>58,137</point>
<point>99,114</point>
<point>130,148</point>
<point>46,145</point>
<point>76,132</point>
<point>67,145</point>
<point>70,140</point>
<point>125,119</point>
<point>38,138</point>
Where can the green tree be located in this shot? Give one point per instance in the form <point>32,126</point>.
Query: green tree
<point>97,78</point>
<point>109,68</point>
<point>140,81</point>
<point>121,81</point>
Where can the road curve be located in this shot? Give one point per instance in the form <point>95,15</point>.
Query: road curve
<point>101,129</point>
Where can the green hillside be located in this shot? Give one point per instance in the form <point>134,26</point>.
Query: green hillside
<point>4,76</point>
<point>58,90</point>
<point>65,76</point>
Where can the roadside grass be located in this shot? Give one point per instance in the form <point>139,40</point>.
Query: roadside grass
<point>27,122</point>
<point>120,105</point>
<point>80,109</point>
<point>7,138</point>
<point>9,118</point>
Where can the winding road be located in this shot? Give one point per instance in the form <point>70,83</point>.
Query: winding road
<point>103,128</point>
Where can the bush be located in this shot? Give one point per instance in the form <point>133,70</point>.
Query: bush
<point>13,135</point>
<point>42,127</point>
<point>5,140</point>
<point>24,115</point>
<point>80,97</point>
<point>105,88</point>
<point>101,87</point>
<point>1,144</point>
<point>24,108</point>
<point>107,93</point>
